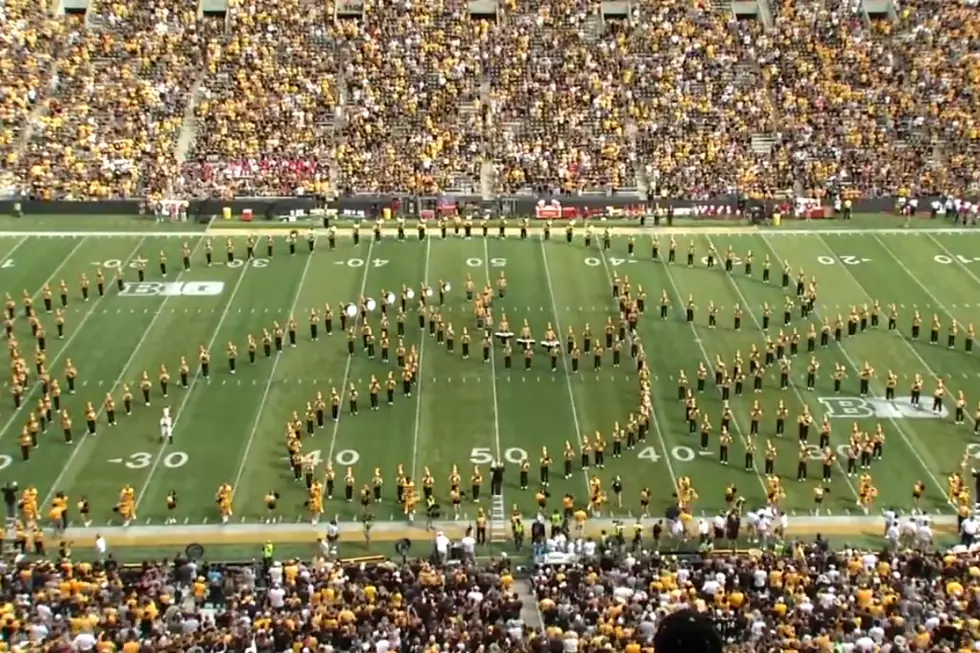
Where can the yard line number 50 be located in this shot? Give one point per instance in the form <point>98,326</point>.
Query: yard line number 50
<point>484,455</point>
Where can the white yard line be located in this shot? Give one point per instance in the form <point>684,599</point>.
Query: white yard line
<point>895,423</point>
<point>579,434</point>
<point>76,330</point>
<point>9,255</point>
<point>940,305</point>
<point>350,359</point>
<point>493,367</point>
<point>268,385</point>
<point>952,256</point>
<point>189,391</point>
<point>418,384</point>
<point>57,270</point>
<point>656,406</point>
<point>799,395</point>
<point>710,363</point>
<point>79,446</point>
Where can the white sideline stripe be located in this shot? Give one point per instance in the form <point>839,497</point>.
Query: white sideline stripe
<point>734,230</point>
<point>76,329</point>
<point>418,384</point>
<point>265,392</point>
<point>80,444</point>
<point>189,392</point>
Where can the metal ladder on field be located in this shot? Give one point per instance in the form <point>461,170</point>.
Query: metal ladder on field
<point>8,548</point>
<point>498,520</point>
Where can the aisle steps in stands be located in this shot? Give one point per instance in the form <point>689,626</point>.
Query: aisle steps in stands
<point>530,614</point>
<point>487,179</point>
<point>188,129</point>
<point>499,532</point>
<point>763,143</point>
<point>39,111</point>
<point>593,28</point>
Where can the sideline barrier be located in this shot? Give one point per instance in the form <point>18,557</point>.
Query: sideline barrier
<point>370,206</point>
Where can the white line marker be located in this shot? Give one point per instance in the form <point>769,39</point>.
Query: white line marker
<point>122,375</point>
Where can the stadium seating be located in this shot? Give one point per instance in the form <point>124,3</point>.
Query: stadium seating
<point>685,98</point>
<point>805,599</point>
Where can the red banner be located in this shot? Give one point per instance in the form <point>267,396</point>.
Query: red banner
<point>554,210</point>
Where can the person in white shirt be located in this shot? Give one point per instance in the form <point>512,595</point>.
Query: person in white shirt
<point>166,426</point>
<point>589,547</point>
<point>277,596</point>
<point>442,545</point>
<point>100,546</point>
<point>924,533</point>
<point>468,544</point>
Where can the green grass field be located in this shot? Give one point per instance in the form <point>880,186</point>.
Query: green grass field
<point>230,428</point>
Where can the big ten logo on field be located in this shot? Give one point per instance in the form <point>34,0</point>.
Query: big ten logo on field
<point>860,408</point>
<point>172,289</point>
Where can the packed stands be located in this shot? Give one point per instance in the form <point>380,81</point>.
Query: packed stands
<point>266,114</point>
<point>684,98</point>
<point>29,39</point>
<point>797,597</point>
<point>117,102</point>
<point>413,71</point>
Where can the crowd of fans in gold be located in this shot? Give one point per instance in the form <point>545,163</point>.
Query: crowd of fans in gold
<point>422,97</point>
<point>805,599</point>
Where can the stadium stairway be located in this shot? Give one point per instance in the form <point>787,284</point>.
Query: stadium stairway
<point>39,111</point>
<point>593,28</point>
<point>188,129</point>
<point>763,143</point>
<point>530,614</point>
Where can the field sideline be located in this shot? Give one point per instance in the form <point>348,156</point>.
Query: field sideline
<point>464,413</point>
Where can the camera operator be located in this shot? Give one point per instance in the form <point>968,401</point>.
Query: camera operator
<point>10,499</point>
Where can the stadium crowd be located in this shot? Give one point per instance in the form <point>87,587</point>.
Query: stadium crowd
<point>795,597</point>
<point>422,97</point>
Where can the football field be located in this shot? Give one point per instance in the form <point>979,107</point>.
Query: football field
<point>230,428</point>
